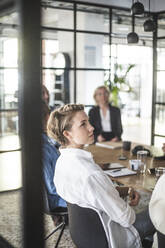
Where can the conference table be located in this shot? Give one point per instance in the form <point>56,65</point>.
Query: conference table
<point>104,156</point>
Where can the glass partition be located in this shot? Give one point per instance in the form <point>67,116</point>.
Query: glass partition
<point>59,42</point>
<point>160,120</point>
<point>62,14</point>
<point>161,23</point>
<point>10,154</point>
<point>90,50</point>
<point>87,82</point>
<point>9,83</point>
<point>159,101</point>
<point>92,18</point>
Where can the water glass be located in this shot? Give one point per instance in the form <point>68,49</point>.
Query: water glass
<point>142,156</point>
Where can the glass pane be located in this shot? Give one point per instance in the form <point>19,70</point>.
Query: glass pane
<point>54,43</point>
<point>57,18</point>
<point>161,54</point>
<point>161,23</point>
<point>8,124</point>
<point>160,94</point>
<point>60,86</point>
<point>121,22</point>
<point>92,18</point>
<point>160,120</point>
<point>87,82</point>
<point>120,39</point>
<point>90,50</point>
<point>8,52</point>
<point>11,18</point>
<point>9,89</point>
<point>10,162</point>
<point>158,142</point>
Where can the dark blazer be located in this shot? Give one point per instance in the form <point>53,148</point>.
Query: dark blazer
<point>115,118</point>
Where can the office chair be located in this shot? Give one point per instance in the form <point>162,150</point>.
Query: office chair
<point>161,239</point>
<point>86,228</point>
<point>59,211</point>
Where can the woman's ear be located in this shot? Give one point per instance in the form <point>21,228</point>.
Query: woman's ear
<point>67,135</point>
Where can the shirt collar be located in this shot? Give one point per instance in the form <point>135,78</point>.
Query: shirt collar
<point>76,151</point>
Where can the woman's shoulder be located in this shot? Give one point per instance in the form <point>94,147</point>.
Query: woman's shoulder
<point>114,108</point>
<point>76,157</point>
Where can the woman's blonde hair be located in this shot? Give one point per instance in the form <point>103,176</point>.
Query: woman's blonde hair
<point>61,119</point>
<point>99,88</point>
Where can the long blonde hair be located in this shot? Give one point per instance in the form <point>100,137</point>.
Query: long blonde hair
<point>99,88</point>
<point>61,119</point>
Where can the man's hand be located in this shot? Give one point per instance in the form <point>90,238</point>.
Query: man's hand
<point>134,197</point>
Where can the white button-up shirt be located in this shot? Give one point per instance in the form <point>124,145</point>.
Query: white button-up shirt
<point>105,121</point>
<point>80,181</point>
<point>157,205</point>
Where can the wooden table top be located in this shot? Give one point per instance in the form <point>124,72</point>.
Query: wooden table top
<point>144,182</point>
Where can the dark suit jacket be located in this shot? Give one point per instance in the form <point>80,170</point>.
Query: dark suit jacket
<point>115,118</point>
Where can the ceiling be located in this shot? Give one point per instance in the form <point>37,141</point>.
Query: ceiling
<point>121,19</point>
<point>156,5</point>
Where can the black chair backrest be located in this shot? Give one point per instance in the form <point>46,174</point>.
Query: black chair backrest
<point>46,202</point>
<point>58,211</point>
<point>86,228</point>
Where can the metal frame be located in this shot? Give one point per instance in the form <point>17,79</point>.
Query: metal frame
<point>30,122</point>
<point>154,81</point>
<point>155,70</point>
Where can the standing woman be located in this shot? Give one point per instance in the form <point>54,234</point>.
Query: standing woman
<point>79,180</point>
<point>105,118</point>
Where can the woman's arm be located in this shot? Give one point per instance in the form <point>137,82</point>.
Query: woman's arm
<point>102,194</point>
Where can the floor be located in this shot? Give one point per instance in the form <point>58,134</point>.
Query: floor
<point>11,221</point>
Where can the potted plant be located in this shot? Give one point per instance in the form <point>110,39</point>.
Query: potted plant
<point>119,82</point>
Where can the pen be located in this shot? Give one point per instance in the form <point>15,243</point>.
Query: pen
<point>116,170</point>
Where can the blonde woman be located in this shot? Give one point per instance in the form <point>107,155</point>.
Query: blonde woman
<point>105,118</point>
<point>79,180</point>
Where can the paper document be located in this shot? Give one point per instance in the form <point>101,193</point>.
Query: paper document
<point>120,172</point>
<point>109,144</point>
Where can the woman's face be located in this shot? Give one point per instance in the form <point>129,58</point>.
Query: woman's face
<point>81,132</point>
<point>101,96</point>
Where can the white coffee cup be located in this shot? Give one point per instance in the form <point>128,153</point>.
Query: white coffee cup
<point>134,164</point>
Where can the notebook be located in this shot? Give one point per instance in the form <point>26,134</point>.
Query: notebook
<point>120,172</point>
<point>110,145</point>
<point>115,166</point>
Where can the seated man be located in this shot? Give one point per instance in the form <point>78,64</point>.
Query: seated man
<point>157,210</point>
<point>50,155</point>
